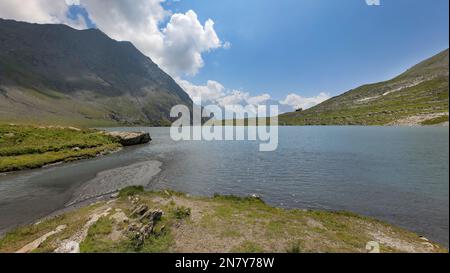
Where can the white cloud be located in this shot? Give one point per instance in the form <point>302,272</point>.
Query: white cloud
<point>227,45</point>
<point>215,93</point>
<point>185,41</point>
<point>39,11</point>
<point>209,93</point>
<point>237,97</point>
<point>297,101</point>
<point>177,47</point>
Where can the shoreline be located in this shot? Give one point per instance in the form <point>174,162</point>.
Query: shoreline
<point>194,213</point>
<point>27,147</point>
<point>95,198</point>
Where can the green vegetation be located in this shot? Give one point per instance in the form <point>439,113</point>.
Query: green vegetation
<point>420,91</point>
<point>295,248</point>
<point>219,224</point>
<point>436,121</point>
<point>181,213</point>
<point>248,247</point>
<point>426,98</point>
<point>14,240</point>
<point>130,191</point>
<point>26,147</point>
<point>96,240</point>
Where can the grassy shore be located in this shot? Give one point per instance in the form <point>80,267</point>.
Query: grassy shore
<point>436,121</point>
<point>219,224</point>
<point>25,147</point>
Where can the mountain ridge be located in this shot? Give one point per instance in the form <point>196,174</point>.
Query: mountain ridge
<point>56,74</point>
<point>420,91</point>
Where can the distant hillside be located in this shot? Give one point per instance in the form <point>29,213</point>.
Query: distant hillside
<point>56,74</point>
<point>419,95</point>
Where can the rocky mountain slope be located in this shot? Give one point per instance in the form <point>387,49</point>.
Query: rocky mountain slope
<point>417,96</point>
<point>56,74</point>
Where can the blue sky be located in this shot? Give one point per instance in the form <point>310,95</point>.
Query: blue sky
<point>313,46</point>
<point>295,52</point>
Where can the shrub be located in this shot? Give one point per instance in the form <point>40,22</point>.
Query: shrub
<point>130,191</point>
<point>181,212</point>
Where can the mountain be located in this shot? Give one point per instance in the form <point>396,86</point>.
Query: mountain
<point>56,74</point>
<point>416,96</point>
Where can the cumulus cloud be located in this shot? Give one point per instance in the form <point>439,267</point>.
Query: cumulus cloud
<point>185,41</point>
<point>39,11</point>
<point>296,101</point>
<point>211,92</point>
<point>177,46</point>
<point>215,93</point>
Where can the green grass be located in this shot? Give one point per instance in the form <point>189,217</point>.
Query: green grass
<point>219,224</point>
<point>248,247</point>
<point>21,236</point>
<point>96,240</point>
<point>294,248</point>
<point>428,97</point>
<point>436,121</point>
<point>181,213</point>
<point>27,147</point>
<point>130,191</point>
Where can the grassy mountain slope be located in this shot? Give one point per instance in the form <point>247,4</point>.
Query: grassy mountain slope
<point>56,74</point>
<point>420,92</point>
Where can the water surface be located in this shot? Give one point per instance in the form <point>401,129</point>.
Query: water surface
<point>399,175</point>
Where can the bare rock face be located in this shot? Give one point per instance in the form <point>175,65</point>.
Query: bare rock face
<point>131,138</point>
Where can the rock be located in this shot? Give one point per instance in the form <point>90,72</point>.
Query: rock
<point>120,217</point>
<point>140,210</point>
<point>134,227</point>
<point>152,216</point>
<point>139,238</point>
<point>114,195</point>
<point>428,244</point>
<point>131,138</point>
<point>147,230</point>
<point>68,246</point>
<point>38,242</point>
<point>74,129</point>
<point>140,230</point>
<point>134,199</point>
<point>76,149</point>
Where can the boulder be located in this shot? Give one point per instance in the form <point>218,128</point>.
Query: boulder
<point>131,138</point>
<point>152,216</point>
<point>139,210</point>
